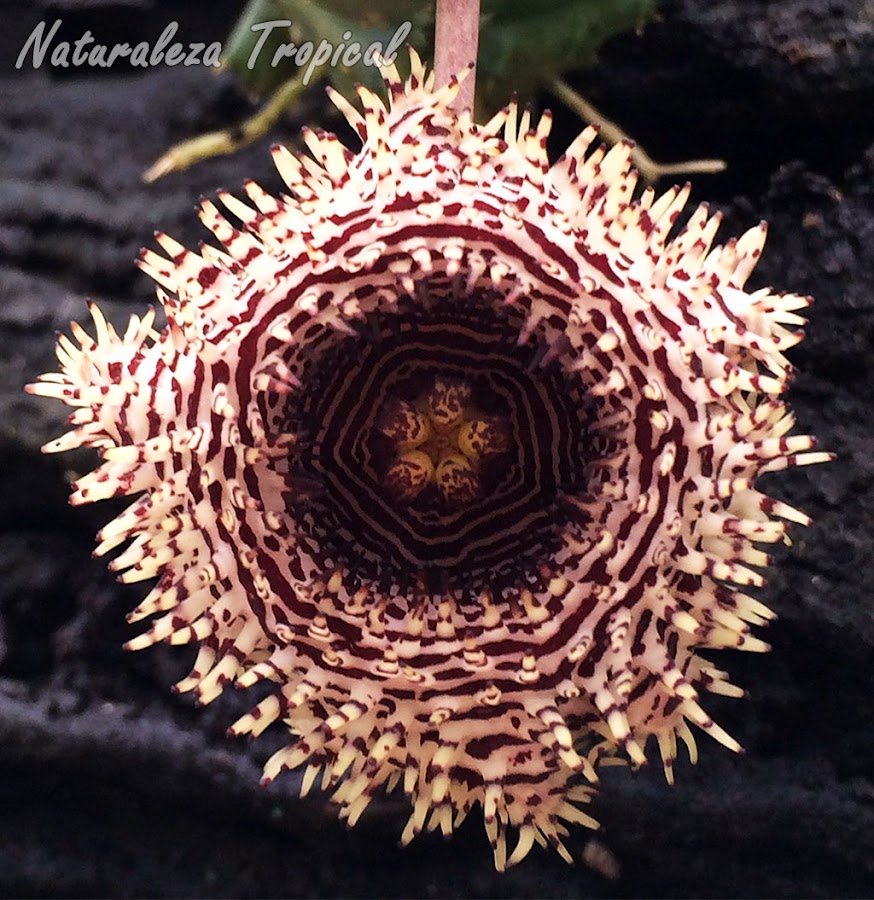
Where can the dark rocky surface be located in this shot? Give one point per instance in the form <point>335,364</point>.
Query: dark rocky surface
<point>112,786</point>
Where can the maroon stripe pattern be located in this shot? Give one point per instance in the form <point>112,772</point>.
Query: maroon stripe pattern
<point>459,451</point>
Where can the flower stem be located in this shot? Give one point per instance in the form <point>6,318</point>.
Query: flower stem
<point>456,39</point>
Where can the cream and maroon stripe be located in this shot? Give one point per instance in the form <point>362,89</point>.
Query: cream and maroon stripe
<point>350,383</point>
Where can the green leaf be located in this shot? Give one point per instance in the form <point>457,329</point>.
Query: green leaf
<point>525,44</point>
<point>260,78</point>
<point>325,22</point>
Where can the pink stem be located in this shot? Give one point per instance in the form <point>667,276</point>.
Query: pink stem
<point>456,38</point>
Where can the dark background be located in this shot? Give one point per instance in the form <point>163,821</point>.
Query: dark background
<point>112,786</point>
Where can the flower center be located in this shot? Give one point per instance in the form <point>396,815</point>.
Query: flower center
<point>442,442</point>
<point>435,447</point>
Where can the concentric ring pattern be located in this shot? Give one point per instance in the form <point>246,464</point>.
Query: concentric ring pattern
<point>507,522</point>
<point>456,449</point>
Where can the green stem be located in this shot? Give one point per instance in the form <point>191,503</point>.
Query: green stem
<point>612,133</point>
<point>217,143</point>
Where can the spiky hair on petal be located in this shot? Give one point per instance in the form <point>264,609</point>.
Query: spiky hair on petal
<point>458,450</point>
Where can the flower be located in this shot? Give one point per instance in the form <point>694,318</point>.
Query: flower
<point>455,448</point>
